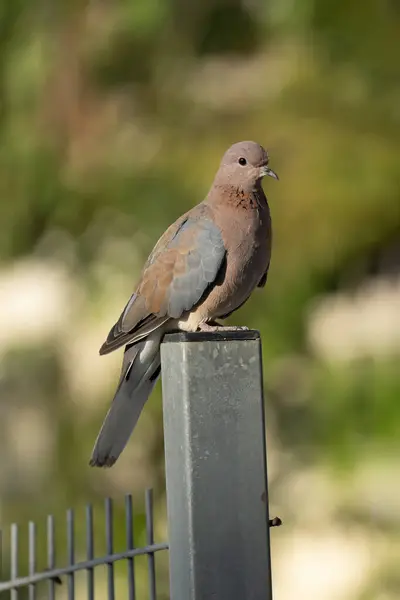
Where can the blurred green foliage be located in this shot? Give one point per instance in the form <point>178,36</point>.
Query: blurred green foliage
<point>113,117</point>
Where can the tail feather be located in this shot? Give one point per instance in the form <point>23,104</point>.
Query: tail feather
<point>140,371</point>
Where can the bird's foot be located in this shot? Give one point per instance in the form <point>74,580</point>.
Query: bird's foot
<point>215,328</point>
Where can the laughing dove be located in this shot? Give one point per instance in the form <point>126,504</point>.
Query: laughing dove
<point>204,267</point>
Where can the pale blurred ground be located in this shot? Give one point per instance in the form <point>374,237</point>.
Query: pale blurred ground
<point>113,117</point>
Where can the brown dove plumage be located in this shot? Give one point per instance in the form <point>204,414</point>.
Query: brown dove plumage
<point>204,267</point>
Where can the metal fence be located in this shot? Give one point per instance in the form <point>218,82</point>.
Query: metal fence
<point>216,480</point>
<point>53,574</point>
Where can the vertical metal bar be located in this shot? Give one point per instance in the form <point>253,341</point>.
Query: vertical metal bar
<point>130,546</point>
<point>32,557</point>
<point>1,555</point>
<point>14,558</point>
<point>150,541</point>
<point>51,553</point>
<point>89,551</point>
<point>71,553</point>
<point>109,545</point>
<point>216,476</point>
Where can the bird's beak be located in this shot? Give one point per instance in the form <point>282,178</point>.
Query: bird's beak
<point>265,170</point>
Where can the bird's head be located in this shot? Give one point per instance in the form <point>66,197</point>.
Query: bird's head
<point>244,165</point>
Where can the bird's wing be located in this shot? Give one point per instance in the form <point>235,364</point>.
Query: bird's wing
<point>263,279</point>
<point>260,284</point>
<point>182,267</point>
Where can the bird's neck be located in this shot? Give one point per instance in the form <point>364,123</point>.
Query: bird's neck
<point>237,197</point>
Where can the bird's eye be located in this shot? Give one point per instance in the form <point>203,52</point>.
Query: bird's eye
<point>242,161</point>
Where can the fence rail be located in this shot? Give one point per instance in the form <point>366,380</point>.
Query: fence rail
<point>53,574</point>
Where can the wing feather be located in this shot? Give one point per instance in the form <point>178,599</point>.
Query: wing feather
<point>182,267</point>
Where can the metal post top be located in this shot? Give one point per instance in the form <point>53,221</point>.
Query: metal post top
<point>206,336</point>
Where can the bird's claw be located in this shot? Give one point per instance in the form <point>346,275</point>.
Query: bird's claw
<point>221,328</point>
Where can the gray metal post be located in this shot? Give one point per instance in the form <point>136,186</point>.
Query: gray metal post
<point>216,466</point>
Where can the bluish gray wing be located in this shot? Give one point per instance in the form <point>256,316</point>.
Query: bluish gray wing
<point>177,277</point>
<point>182,267</point>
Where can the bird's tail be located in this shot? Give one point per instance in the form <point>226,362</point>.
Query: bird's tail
<point>140,370</point>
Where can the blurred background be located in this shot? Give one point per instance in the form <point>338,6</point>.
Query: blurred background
<point>114,115</point>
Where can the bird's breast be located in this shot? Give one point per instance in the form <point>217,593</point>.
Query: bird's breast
<point>247,239</point>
